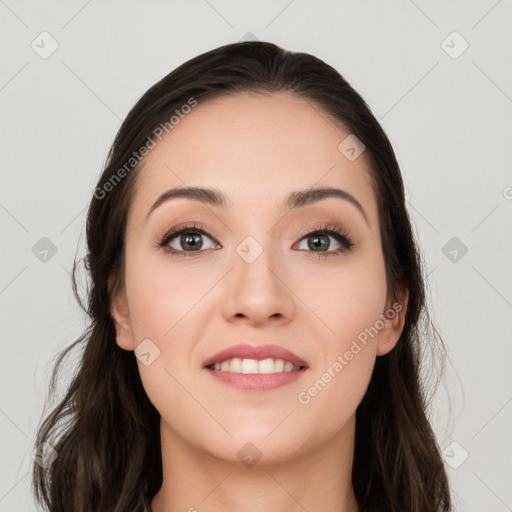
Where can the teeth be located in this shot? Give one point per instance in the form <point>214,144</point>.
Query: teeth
<point>235,365</point>
<point>267,366</point>
<point>252,366</point>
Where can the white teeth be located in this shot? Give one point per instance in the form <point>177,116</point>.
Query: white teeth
<point>252,366</point>
<point>235,365</point>
<point>267,366</point>
<point>278,365</point>
<point>249,366</point>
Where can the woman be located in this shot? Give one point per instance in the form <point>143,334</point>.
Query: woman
<point>227,366</point>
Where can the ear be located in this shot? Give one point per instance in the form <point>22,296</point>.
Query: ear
<point>120,314</point>
<point>394,321</point>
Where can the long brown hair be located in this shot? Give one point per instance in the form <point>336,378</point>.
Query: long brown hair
<point>105,430</point>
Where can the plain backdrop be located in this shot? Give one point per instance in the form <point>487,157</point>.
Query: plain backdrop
<point>437,75</point>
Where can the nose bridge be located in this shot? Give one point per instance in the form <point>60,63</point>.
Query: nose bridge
<point>255,263</point>
<point>255,287</point>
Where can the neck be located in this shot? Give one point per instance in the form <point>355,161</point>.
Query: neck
<point>195,481</point>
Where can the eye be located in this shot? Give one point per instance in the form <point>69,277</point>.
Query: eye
<point>185,241</point>
<point>316,240</point>
<point>189,241</point>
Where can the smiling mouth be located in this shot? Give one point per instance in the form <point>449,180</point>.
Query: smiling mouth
<point>255,367</point>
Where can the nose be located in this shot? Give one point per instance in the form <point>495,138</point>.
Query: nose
<point>259,291</point>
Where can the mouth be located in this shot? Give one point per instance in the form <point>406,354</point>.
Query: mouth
<point>256,368</point>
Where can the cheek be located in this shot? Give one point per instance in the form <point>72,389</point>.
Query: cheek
<point>347,347</point>
<point>346,299</point>
<point>161,295</point>
<point>349,301</point>
<point>161,308</point>
<point>330,397</point>
<point>165,305</point>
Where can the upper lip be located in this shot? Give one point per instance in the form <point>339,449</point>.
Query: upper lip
<point>255,352</point>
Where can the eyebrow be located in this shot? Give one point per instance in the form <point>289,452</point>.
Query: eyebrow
<point>296,199</point>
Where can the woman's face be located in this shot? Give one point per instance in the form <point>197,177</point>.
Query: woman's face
<point>255,278</point>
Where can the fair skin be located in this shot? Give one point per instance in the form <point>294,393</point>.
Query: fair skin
<point>255,149</point>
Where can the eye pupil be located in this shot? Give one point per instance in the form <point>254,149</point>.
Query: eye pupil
<point>319,241</point>
<point>190,239</point>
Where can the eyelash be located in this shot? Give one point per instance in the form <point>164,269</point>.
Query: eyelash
<point>334,230</point>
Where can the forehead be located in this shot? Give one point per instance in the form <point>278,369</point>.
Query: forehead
<point>256,148</point>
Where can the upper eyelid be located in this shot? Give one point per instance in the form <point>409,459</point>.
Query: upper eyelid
<point>328,227</point>
<point>305,231</point>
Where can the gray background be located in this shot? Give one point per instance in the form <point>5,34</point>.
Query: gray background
<point>448,115</point>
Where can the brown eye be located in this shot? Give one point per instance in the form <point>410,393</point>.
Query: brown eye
<point>186,241</point>
<point>319,241</point>
<point>192,240</point>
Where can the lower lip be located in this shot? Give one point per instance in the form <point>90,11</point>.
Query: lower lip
<point>256,381</point>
